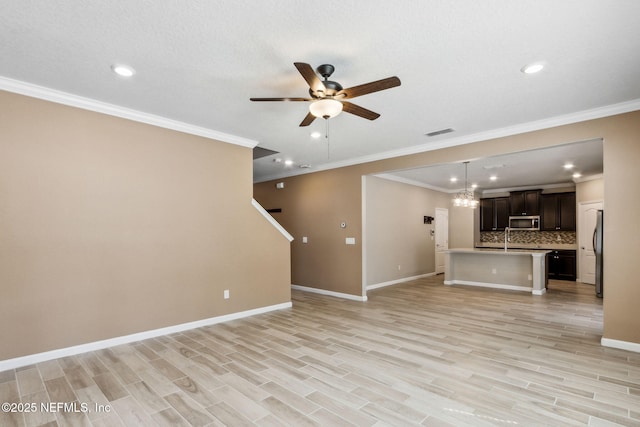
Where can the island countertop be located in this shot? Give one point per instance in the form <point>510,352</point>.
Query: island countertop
<point>494,251</point>
<point>547,246</point>
<point>514,269</point>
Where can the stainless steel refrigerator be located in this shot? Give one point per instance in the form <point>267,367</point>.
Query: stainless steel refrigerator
<point>597,248</point>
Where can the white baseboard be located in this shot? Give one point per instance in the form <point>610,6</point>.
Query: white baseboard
<point>330,293</point>
<point>126,339</point>
<point>489,285</point>
<point>622,345</point>
<point>395,282</point>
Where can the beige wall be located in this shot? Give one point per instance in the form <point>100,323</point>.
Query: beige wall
<point>340,190</point>
<point>110,227</point>
<point>315,207</point>
<point>622,231</point>
<point>590,191</point>
<point>461,226</point>
<point>395,231</point>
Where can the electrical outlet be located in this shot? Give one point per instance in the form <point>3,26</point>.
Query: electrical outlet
<point>398,267</point>
<point>494,271</point>
<point>226,294</point>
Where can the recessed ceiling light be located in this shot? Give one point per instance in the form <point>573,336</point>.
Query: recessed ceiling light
<point>493,177</point>
<point>568,166</point>
<point>123,70</point>
<point>454,179</point>
<point>474,185</point>
<point>577,175</point>
<point>315,135</point>
<point>288,162</point>
<point>532,68</point>
<point>305,166</point>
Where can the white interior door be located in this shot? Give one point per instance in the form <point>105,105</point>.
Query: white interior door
<point>442,237</point>
<point>587,256</point>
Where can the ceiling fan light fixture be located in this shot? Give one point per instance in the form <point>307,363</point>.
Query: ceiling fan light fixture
<point>325,108</point>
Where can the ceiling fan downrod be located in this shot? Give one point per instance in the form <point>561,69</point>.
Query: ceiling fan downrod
<point>325,70</point>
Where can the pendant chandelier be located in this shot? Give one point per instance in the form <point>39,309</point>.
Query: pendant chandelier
<point>465,198</point>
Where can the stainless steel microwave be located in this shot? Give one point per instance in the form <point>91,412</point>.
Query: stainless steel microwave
<point>524,222</point>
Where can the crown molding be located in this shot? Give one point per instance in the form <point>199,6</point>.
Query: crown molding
<point>391,177</point>
<point>588,178</point>
<point>59,97</point>
<point>528,187</point>
<point>566,119</point>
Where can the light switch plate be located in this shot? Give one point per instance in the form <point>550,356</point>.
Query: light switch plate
<point>304,239</point>
<point>350,240</point>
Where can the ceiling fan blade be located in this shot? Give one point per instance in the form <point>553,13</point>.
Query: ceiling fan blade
<point>359,111</point>
<point>307,120</point>
<point>310,76</point>
<point>281,99</point>
<point>366,88</point>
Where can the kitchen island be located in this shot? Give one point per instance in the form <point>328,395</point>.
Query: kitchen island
<point>513,269</point>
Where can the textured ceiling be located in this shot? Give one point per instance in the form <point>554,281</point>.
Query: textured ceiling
<point>198,62</point>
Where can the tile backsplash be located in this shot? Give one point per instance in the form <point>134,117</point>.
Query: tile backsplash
<point>530,237</point>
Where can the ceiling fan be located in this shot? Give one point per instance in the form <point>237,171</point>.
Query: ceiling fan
<point>327,97</point>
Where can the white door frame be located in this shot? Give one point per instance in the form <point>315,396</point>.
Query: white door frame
<point>442,214</point>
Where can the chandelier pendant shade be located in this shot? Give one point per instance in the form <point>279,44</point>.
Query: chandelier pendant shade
<point>325,108</point>
<point>465,198</point>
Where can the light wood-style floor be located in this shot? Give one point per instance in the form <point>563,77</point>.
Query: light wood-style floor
<point>418,353</point>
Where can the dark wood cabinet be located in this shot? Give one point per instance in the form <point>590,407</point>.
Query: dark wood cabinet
<point>558,212</point>
<point>494,214</point>
<point>562,265</point>
<point>501,210</point>
<point>486,215</point>
<point>524,203</point>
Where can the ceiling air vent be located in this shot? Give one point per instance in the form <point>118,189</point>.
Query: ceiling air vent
<point>439,132</point>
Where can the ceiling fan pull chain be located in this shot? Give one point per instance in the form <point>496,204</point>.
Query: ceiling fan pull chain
<point>326,135</point>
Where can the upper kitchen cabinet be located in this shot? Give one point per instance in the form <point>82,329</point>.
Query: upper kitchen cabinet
<point>558,212</point>
<point>494,214</point>
<point>524,203</point>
